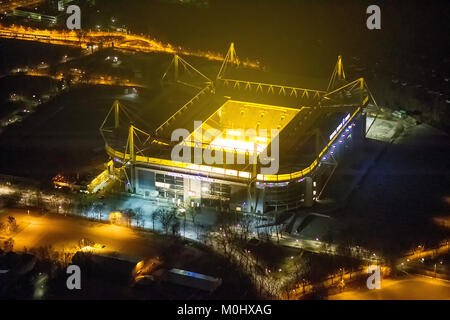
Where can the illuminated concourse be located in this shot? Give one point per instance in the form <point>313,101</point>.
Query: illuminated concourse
<point>313,128</point>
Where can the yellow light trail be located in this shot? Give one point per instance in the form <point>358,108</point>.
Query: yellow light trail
<point>105,39</point>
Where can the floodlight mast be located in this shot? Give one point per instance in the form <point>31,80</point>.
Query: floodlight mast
<point>130,149</point>
<point>231,57</point>
<point>116,114</point>
<point>338,75</point>
<point>178,65</point>
<point>175,64</point>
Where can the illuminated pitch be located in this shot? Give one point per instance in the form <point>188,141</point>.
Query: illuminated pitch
<point>241,127</point>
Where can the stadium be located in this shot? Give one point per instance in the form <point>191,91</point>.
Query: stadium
<point>297,137</point>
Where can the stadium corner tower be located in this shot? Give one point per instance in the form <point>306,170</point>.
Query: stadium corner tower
<point>315,128</point>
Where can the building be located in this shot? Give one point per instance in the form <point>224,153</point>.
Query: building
<point>45,13</point>
<point>50,13</point>
<point>296,138</point>
<point>192,280</point>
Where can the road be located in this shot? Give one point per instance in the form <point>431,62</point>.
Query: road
<point>410,288</point>
<point>130,42</point>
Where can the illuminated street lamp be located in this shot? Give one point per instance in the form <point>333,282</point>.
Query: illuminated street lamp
<point>115,216</point>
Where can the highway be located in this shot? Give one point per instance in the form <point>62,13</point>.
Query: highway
<point>101,39</point>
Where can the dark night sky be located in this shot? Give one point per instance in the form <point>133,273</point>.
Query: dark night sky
<point>298,35</point>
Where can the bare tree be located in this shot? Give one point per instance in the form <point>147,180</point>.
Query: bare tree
<point>39,202</point>
<point>246,222</point>
<point>175,227</point>
<point>70,205</point>
<point>97,208</point>
<point>139,216</point>
<point>192,213</point>
<point>12,200</point>
<point>12,224</point>
<point>166,218</point>
<point>155,216</point>
<point>222,242</point>
<point>301,268</point>
<point>84,204</point>
<point>129,215</point>
<point>272,287</point>
<point>8,245</point>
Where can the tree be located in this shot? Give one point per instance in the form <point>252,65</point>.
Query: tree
<point>12,224</point>
<point>184,224</point>
<point>97,209</point>
<point>175,227</point>
<point>226,219</point>
<point>155,216</point>
<point>129,215</point>
<point>166,218</point>
<point>204,233</point>
<point>70,205</point>
<point>8,245</point>
<point>246,222</point>
<point>192,212</point>
<point>84,203</point>
<point>272,287</point>
<point>301,269</point>
<point>13,199</point>
<point>222,242</point>
<point>139,216</point>
<point>39,201</point>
